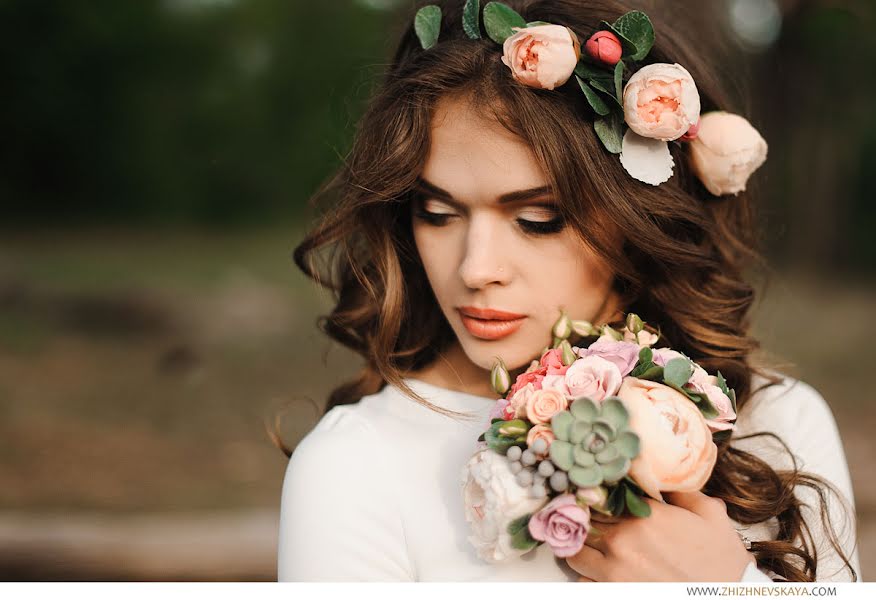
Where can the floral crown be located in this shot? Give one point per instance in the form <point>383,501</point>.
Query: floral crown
<point>659,102</point>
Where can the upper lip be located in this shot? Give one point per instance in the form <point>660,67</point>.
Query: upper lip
<point>489,313</point>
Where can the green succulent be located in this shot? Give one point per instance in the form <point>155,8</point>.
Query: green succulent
<point>593,443</point>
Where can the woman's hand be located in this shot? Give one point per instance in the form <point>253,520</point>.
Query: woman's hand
<point>690,538</point>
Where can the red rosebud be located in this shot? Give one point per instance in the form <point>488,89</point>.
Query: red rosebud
<point>605,47</point>
<point>691,133</point>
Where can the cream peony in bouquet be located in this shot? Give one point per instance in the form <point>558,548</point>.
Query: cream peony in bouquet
<point>592,427</point>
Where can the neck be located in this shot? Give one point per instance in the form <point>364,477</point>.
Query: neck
<point>453,370</point>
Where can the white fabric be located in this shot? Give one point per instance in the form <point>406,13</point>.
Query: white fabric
<point>372,493</point>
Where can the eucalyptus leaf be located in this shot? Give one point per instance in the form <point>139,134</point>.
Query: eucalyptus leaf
<point>610,131</point>
<point>605,86</point>
<point>537,23</point>
<point>619,80</point>
<point>646,355</point>
<point>471,19</point>
<point>652,373</point>
<point>636,27</point>
<point>499,19</point>
<point>678,371</point>
<point>596,103</point>
<point>427,25</point>
<point>637,506</point>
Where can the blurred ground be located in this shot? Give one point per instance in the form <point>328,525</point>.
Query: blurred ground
<point>137,371</point>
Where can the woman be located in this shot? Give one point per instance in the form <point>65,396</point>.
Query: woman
<point>471,209</point>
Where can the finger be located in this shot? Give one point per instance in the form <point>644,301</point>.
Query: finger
<point>596,537</point>
<point>583,579</point>
<point>588,562</point>
<point>695,502</point>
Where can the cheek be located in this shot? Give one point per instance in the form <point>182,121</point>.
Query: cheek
<point>434,252</point>
<point>574,277</point>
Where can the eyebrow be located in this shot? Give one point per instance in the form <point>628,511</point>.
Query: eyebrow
<point>516,196</point>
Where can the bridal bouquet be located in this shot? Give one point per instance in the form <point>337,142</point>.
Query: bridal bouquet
<point>592,427</point>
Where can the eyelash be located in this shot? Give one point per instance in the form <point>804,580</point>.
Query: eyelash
<point>532,227</point>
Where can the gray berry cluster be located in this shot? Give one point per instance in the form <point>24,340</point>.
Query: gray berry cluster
<point>536,477</point>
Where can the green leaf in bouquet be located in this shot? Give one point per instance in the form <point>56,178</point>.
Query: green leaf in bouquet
<point>646,355</point>
<point>636,27</point>
<point>499,19</point>
<point>614,412</point>
<point>610,131</point>
<point>537,23</point>
<point>652,373</point>
<point>500,441</point>
<point>616,500</point>
<point>427,25</point>
<point>470,19</point>
<point>677,371</point>
<point>518,529</point>
<point>627,444</point>
<point>495,420</point>
<point>701,400</point>
<point>636,505</point>
<point>596,103</point>
<point>722,385</point>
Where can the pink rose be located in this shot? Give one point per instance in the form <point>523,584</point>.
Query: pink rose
<point>707,384</point>
<point>563,524</point>
<point>623,354</point>
<point>555,382</point>
<point>540,432</point>
<point>553,360</point>
<point>661,356</point>
<point>676,448</point>
<point>530,377</point>
<point>604,47</point>
<point>594,377</point>
<point>726,151</point>
<point>661,101</point>
<point>541,56</point>
<point>543,404</point>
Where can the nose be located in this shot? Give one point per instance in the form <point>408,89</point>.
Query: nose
<point>484,261</point>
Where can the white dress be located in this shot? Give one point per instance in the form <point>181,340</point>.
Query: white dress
<point>373,492</point>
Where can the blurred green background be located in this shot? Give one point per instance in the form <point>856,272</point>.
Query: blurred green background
<point>157,160</point>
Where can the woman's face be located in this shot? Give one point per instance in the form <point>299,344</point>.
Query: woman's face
<point>487,245</point>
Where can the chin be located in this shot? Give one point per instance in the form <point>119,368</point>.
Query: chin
<point>515,353</point>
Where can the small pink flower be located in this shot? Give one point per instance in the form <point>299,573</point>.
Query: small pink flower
<point>540,432</point>
<point>563,524</point>
<point>502,409</point>
<point>543,404</point>
<point>541,56</point>
<point>594,377</point>
<point>605,47</point>
<point>623,354</point>
<point>707,384</point>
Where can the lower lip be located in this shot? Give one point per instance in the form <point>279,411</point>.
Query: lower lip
<point>488,329</point>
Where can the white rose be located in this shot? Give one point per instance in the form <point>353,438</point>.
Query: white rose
<point>493,499</point>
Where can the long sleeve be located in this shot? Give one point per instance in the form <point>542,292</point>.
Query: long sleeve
<point>338,516</point>
<point>801,418</point>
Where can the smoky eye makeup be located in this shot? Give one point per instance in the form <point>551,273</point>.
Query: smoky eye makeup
<point>528,226</point>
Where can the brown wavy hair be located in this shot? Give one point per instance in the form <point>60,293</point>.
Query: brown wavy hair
<point>682,268</point>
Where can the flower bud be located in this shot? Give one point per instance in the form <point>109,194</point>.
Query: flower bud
<point>634,323</point>
<point>594,497</point>
<point>500,378</point>
<point>612,333</point>
<point>605,47</point>
<point>563,326</point>
<point>569,355</point>
<point>513,428</point>
<point>692,133</point>
<point>584,328</point>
